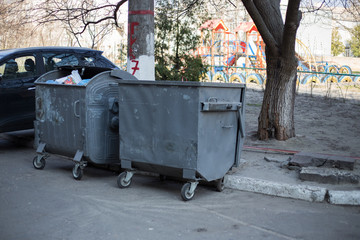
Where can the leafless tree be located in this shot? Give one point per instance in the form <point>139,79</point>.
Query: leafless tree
<point>13,18</point>
<point>276,118</point>
<point>353,8</point>
<point>82,19</point>
<point>338,10</point>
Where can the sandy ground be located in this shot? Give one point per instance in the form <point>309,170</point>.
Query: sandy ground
<point>326,122</point>
<point>327,119</point>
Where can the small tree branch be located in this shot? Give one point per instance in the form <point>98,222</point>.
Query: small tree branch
<point>118,5</point>
<point>55,11</point>
<point>232,3</point>
<point>87,23</point>
<point>268,38</point>
<point>270,13</point>
<point>292,22</point>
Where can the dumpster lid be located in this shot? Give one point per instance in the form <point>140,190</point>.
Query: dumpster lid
<point>122,74</point>
<point>184,84</point>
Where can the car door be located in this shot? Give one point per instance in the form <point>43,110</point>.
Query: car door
<point>17,92</point>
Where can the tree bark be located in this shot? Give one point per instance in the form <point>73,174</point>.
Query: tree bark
<point>276,119</point>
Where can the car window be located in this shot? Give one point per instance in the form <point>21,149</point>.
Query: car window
<point>103,62</point>
<point>54,60</point>
<point>20,67</point>
<point>95,61</point>
<point>88,61</point>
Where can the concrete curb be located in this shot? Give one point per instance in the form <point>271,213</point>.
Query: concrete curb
<point>302,192</point>
<point>344,197</point>
<point>307,193</point>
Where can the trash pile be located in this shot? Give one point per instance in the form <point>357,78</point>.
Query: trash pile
<point>73,79</point>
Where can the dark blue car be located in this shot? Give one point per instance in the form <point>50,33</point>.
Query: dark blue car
<point>20,67</point>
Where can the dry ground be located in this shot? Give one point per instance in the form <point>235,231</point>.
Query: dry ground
<point>327,119</point>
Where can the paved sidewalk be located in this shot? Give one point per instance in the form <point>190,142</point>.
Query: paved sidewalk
<point>265,172</point>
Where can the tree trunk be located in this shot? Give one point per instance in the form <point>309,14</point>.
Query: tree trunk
<point>276,118</point>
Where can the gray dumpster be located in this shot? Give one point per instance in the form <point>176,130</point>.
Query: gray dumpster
<point>190,130</point>
<point>78,121</point>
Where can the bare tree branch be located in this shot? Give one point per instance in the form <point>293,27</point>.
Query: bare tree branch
<point>118,5</point>
<point>292,22</point>
<point>80,17</point>
<point>271,43</point>
<point>54,11</point>
<point>13,18</point>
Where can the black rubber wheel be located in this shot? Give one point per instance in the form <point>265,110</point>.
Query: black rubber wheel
<point>39,163</point>
<point>220,186</point>
<point>185,192</point>
<point>121,181</point>
<point>77,172</point>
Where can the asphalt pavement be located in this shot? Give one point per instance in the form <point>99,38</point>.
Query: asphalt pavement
<point>50,204</point>
<point>261,170</point>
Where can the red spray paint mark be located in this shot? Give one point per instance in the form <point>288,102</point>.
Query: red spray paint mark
<point>136,66</point>
<point>142,12</point>
<point>132,26</point>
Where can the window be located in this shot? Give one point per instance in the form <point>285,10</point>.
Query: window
<point>54,60</point>
<point>20,67</point>
<point>103,62</point>
<point>88,61</point>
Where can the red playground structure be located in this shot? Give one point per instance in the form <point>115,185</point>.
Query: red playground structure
<point>233,56</point>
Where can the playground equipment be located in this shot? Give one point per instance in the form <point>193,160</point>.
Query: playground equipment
<point>239,57</point>
<point>231,59</point>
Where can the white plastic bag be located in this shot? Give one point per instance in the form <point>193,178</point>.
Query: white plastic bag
<point>73,78</point>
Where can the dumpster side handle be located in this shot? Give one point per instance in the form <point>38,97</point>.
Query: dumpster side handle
<point>220,106</point>
<point>76,104</point>
<point>240,114</point>
<point>241,122</point>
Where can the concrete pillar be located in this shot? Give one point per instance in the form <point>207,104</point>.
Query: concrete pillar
<point>141,59</point>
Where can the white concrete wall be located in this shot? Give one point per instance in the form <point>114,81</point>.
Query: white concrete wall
<point>315,33</point>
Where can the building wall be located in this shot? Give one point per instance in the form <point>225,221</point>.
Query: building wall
<point>315,32</point>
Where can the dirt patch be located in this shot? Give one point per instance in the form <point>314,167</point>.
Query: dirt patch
<point>327,119</point>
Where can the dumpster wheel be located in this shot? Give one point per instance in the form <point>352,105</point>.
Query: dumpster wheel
<point>39,162</point>
<point>124,179</point>
<point>77,172</point>
<point>188,190</point>
<point>220,186</point>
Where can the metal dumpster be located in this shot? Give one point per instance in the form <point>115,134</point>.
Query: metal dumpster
<point>190,130</point>
<point>78,121</point>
